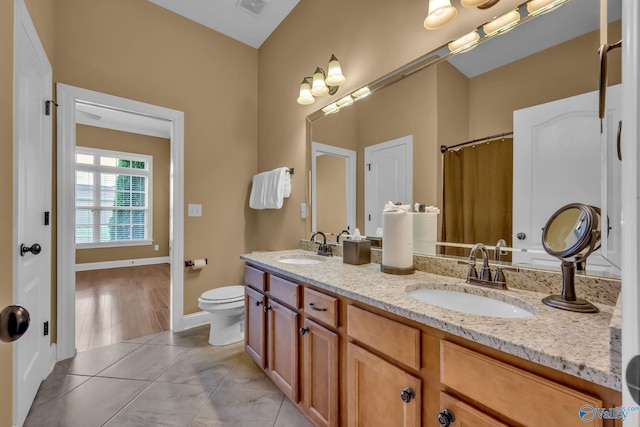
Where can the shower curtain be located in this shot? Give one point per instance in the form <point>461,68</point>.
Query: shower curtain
<point>477,195</point>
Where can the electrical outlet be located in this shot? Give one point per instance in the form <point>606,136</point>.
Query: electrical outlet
<point>156,248</point>
<point>195,210</point>
<point>303,210</point>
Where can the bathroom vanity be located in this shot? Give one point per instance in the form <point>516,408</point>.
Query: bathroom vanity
<point>350,347</point>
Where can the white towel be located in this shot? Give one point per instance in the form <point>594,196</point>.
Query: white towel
<point>270,188</point>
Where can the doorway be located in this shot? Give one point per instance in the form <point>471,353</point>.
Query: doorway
<point>69,97</point>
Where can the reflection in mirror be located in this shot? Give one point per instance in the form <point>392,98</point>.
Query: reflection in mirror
<point>473,95</point>
<point>571,235</point>
<point>333,183</point>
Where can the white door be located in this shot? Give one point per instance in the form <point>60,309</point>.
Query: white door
<point>557,159</point>
<point>32,205</point>
<point>388,177</point>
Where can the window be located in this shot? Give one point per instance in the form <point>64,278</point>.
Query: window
<point>113,198</point>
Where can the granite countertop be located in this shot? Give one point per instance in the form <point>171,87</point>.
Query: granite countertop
<point>574,343</point>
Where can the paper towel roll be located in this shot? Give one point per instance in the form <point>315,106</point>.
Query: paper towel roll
<point>425,233</point>
<point>397,249</point>
<point>199,264</point>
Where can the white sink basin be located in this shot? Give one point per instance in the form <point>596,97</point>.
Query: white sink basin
<point>302,260</point>
<point>469,303</point>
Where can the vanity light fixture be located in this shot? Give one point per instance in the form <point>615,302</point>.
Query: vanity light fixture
<point>305,97</point>
<point>538,7</point>
<point>465,43</point>
<point>343,102</point>
<point>440,14</point>
<point>502,23</point>
<point>361,93</point>
<point>331,108</point>
<point>321,84</point>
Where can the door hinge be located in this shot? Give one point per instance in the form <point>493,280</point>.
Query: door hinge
<point>369,217</point>
<point>47,107</point>
<point>369,166</point>
<point>46,328</point>
<point>46,218</point>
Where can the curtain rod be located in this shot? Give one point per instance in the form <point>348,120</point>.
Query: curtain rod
<point>444,148</point>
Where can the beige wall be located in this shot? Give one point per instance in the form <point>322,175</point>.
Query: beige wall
<point>138,50</point>
<point>159,148</point>
<point>370,38</point>
<point>6,209</point>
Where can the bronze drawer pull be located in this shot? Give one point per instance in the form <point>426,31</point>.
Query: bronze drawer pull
<point>313,307</point>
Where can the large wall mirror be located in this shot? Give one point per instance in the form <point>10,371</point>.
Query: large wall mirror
<point>518,83</point>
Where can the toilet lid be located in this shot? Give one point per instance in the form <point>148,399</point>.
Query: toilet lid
<point>224,294</point>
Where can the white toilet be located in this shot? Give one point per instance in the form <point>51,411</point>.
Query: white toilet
<point>226,306</point>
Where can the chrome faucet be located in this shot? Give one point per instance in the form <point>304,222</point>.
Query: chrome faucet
<point>340,234</point>
<point>485,272</point>
<point>499,277</point>
<point>323,248</point>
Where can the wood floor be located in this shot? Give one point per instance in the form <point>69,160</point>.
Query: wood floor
<point>120,304</point>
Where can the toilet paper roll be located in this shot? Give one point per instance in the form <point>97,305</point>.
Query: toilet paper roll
<point>199,264</point>
<point>425,231</point>
<point>397,250</point>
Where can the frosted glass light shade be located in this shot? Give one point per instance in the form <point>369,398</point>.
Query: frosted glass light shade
<point>469,40</point>
<point>502,24</point>
<point>539,7</point>
<point>305,97</point>
<point>334,73</point>
<point>319,87</point>
<point>440,14</point>
<point>362,92</point>
<point>331,108</point>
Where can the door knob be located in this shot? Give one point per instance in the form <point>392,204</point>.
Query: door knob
<point>445,418</point>
<point>266,308</point>
<point>303,331</point>
<point>407,395</point>
<point>34,249</point>
<point>14,322</point>
<point>521,236</point>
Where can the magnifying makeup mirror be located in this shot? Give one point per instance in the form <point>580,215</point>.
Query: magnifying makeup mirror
<point>571,235</point>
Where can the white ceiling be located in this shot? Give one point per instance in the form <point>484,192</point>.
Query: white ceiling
<point>229,18</point>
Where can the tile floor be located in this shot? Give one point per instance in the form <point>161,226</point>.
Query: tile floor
<point>166,379</point>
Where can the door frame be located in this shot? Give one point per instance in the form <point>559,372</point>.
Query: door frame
<point>24,24</point>
<point>67,96</point>
<point>630,192</point>
<point>350,174</point>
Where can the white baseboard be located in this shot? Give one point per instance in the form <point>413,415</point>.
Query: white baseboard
<point>122,263</point>
<point>53,357</point>
<point>196,319</point>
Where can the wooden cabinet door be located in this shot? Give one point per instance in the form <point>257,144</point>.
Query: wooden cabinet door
<point>465,415</point>
<point>320,374</point>
<point>283,357</point>
<point>375,392</point>
<point>254,331</point>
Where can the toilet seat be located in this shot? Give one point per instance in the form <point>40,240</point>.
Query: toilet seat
<point>227,294</point>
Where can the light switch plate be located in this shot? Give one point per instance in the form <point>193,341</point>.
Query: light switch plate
<point>195,210</point>
<point>303,210</point>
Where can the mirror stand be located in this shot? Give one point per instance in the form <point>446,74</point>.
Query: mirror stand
<point>568,300</point>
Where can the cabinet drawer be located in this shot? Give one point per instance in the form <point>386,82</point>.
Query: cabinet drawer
<point>500,387</point>
<point>321,307</point>
<point>394,339</point>
<point>466,415</point>
<point>285,291</point>
<point>256,278</point>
